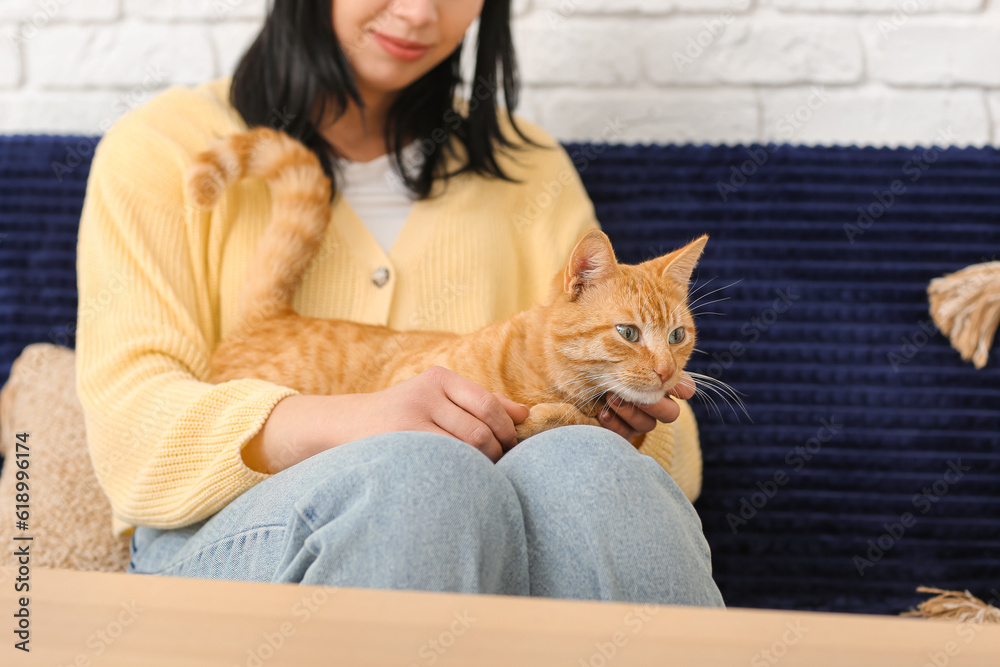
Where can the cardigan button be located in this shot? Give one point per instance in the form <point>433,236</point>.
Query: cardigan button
<point>380,276</point>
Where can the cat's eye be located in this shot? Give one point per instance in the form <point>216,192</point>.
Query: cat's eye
<point>677,336</point>
<point>628,332</point>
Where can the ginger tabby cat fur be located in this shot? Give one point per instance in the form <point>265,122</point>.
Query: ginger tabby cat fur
<point>604,327</point>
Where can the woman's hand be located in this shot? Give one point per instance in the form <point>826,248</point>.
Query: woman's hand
<point>438,401</point>
<point>631,420</point>
<point>442,401</point>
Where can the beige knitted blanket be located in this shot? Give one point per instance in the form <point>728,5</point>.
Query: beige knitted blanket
<point>69,515</point>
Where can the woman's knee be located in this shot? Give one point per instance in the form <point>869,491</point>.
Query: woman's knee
<point>431,511</point>
<point>576,451</point>
<point>606,522</point>
<point>403,471</point>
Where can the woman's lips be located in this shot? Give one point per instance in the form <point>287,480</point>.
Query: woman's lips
<point>399,48</point>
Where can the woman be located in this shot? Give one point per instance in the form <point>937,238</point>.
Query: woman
<point>251,480</point>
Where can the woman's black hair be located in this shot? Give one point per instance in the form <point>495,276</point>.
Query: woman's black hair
<point>297,66</point>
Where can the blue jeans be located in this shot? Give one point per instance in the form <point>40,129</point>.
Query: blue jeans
<point>574,512</point>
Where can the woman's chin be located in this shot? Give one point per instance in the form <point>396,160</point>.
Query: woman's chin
<point>389,76</point>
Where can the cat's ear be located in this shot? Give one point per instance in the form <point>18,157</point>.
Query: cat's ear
<point>678,266</point>
<point>592,261</point>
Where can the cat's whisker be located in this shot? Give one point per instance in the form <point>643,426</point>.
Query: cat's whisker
<point>718,410</point>
<point>691,307</point>
<point>705,284</point>
<point>689,385</point>
<point>591,375</point>
<point>585,388</point>
<point>706,395</point>
<point>673,311</point>
<point>684,383</point>
<point>641,293</point>
<point>671,316</point>
<point>723,390</point>
<point>707,401</point>
<point>692,304</point>
<point>591,397</point>
<point>584,398</point>
<point>589,378</point>
<point>575,397</point>
<point>652,293</point>
<point>700,286</point>
<point>604,381</point>
<point>726,400</point>
<point>698,310</point>
<point>685,311</point>
<point>693,293</point>
<point>621,401</point>
<point>701,396</point>
<point>603,386</point>
<point>709,303</point>
<point>715,382</point>
<point>616,403</point>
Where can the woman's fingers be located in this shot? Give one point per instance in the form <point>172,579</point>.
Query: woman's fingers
<point>643,418</point>
<point>665,410</point>
<point>616,424</point>
<point>640,418</point>
<point>467,428</point>
<point>486,420</point>
<point>517,412</point>
<point>480,404</point>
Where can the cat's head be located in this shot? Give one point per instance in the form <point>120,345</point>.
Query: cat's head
<point>621,327</point>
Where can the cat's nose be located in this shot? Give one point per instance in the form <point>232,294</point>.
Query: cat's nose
<point>664,372</point>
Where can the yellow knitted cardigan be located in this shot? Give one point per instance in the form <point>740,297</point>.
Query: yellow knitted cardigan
<point>159,280</point>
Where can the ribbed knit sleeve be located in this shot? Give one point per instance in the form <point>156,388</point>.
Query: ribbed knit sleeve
<point>165,445</point>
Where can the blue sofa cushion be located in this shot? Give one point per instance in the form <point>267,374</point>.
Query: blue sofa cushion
<point>870,458</point>
<point>42,184</point>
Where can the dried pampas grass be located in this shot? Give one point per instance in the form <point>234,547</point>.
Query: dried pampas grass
<point>955,606</point>
<point>965,306</point>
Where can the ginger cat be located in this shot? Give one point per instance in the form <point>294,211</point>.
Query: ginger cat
<point>605,326</point>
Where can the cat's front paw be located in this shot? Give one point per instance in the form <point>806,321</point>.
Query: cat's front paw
<point>550,415</point>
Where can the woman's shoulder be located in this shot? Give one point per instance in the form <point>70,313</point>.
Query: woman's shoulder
<point>527,159</point>
<point>530,158</point>
<point>540,153</point>
<point>527,128</point>
<point>179,120</point>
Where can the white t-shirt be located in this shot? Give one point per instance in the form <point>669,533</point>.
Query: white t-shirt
<point>377,193</point>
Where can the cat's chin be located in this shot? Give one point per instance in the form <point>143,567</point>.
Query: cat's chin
<point>639,396</point>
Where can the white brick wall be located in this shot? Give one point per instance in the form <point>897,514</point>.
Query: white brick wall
<point>880,72</point>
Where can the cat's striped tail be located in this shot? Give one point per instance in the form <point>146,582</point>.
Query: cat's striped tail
<point>300,197</point>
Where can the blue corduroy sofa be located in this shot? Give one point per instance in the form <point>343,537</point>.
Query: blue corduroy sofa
<point>868,460</point>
